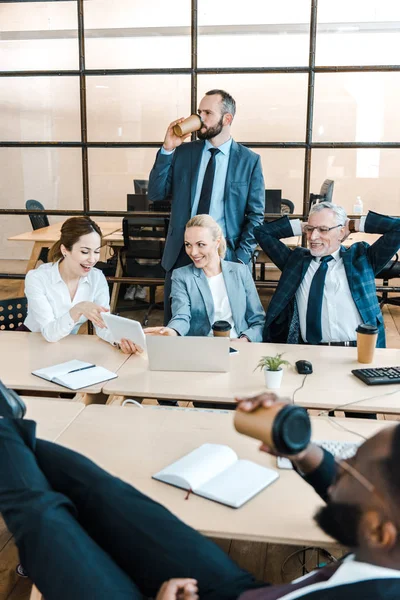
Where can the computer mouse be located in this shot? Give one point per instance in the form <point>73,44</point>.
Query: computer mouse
<point>304,367</point>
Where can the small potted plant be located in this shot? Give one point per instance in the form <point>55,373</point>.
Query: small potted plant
<point>272,367</point>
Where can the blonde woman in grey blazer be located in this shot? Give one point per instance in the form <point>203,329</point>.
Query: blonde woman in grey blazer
<point>212,289</point>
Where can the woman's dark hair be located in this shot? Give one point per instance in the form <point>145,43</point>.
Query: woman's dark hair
<point>71,231</point>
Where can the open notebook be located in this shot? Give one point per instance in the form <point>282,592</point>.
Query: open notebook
<point>75,374</point>
<point>215,472</point>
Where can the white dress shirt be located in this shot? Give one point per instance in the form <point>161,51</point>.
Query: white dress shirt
<point>350,571</point>
<point>49,301</point>
<point>340,317</point>
<point>217,206</point>
<point>222,306</point>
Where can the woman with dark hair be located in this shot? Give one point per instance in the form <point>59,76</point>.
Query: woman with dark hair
<point>69,291</point>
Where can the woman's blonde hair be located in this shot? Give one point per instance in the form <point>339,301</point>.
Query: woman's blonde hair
<point>213,227</point>
<point>71,231</point>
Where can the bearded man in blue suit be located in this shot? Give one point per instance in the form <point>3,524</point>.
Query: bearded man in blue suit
<point>213,175</point>
<point>328,310</point>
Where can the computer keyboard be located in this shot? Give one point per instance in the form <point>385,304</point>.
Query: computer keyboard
<point>335,447</point>
<point>378,375</point>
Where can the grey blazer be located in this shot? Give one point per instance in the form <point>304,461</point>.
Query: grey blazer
<point>244,197</point>
<point>193,306</point>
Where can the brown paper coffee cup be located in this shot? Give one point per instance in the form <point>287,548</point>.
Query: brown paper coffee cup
<point>221,329</point>
<point>192,123</point>
<point>367,336</point>
<point>283,427</point>
<point>259,423</point>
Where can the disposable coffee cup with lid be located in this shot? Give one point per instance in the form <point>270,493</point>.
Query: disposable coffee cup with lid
<point>221,328</point>
<point>367,329</point>
<point>367,336</point>
<point>286,428</point>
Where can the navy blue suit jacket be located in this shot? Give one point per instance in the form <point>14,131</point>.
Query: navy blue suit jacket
<point>361,262</point>
<point>176,175</point>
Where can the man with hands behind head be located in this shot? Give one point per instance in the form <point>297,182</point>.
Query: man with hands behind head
<point>326,290</point>
<point>213,175</point>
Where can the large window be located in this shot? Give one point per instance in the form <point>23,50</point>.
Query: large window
<point>88,87</point>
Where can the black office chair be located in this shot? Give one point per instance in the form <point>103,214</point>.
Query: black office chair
<point>390,271</point>
<point>141,257</point>
<point>37,222</point>
<point>12,313</point>
<point>287,207</point>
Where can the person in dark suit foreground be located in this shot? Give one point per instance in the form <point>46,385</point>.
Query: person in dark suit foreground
<point>82,533</point>
<point>213,175</point>
<point>326,290</point>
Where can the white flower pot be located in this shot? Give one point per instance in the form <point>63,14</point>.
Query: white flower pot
<point>273,379</point>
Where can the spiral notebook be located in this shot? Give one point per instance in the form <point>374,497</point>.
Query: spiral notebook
<point>75,374</point>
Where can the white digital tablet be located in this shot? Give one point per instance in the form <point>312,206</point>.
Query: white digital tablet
<point>125,328</point>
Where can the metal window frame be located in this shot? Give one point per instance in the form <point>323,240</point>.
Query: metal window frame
<point>308,145</point>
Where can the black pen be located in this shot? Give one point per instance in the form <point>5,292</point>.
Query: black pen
<point>82,369</point>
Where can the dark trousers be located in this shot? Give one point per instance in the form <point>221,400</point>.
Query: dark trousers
<point>181,261</point>
<point>82,533</point>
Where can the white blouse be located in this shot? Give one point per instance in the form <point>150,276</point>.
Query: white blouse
<point>49,301</point>
<point>222,306</point>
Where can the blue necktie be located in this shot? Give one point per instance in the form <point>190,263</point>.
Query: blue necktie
<point>314,306</point>
<point>206,190</point>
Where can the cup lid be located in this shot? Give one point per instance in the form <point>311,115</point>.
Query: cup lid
<point>368,329</point>
<point>291,431</point>
<point>221,326</point>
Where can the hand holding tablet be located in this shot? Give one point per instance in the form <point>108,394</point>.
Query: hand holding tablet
<point>123,330</point>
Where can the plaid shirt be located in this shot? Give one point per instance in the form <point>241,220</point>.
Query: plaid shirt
<point>361,261</point>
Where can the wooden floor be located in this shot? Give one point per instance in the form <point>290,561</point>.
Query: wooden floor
<point>269,562</point>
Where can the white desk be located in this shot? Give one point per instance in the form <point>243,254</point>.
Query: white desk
<point>134,443</point>
<point>331,383</point>
<point>51,415</point>
<point>23,353</point>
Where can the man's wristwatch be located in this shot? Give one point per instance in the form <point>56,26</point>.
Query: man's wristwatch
<point>352,226</point>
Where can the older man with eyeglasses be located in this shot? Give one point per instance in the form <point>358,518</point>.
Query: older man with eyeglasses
<point>326,290</point>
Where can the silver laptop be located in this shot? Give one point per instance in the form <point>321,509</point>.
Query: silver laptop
<point>188,353</point>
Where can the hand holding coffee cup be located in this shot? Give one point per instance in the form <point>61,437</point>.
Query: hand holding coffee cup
<point>189,125</point>
<point>172,140</point>
<point>283,428</point>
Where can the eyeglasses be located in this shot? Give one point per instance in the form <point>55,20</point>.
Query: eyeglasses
<point>370,487</point>
<point>322,229</point>
<point>346,466</point>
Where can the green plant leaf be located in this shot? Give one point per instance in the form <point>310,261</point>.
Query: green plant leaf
<point>272,363</point>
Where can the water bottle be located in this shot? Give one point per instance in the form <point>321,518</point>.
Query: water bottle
<point>358,208</point>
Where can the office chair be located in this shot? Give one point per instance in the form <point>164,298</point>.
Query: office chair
<point>141,257</point>
<point>137,202</point>
<point>12,313</point>
<point>325,193</point>
<point>37,222</point>
<point>287,207</point>
<point>390,271</point>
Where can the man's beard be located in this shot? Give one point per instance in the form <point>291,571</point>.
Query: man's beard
<point>340,521</point>
<point>211,132</point>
